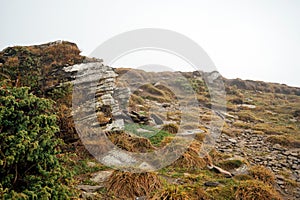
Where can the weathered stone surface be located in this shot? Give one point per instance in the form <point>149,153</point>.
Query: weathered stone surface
<point>95,80</point>
<point>101,176</point>
<point>157,120</point>
<point>258,152</point>
<point>118,158</point>
<point>89,188</point>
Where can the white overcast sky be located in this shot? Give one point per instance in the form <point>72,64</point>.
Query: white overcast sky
<point>249,39</point>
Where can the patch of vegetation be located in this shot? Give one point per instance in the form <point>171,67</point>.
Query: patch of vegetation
<point>262,173</point>
<point>254,189</point>
<point>241,124</point>
<point>157,93</point>
<point>155,136</point>
<point>230,164</point>
<point>270,128</point>
<point>29,164</point>
<point>190,160</point>
<point>126,185</point>
<point>180,192</point>
<point>130,143</point>
<point>248,116</point>
<point>284,140</point>
<point>171,128</point>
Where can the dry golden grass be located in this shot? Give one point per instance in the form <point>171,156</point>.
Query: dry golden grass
<point>126,185</point>
<point>191,160</point>
<point>284,140</point>
<point>149,91</point>
<point>262,173</point>
<point>200,137</point>
<point>102,119</point>
<point>254,189</point>
<point>172,192</point>
<point>241,124</point>
<point>130,143</point>
<point>179,192</point>
<point>217,156</point>
<point>171,128</point>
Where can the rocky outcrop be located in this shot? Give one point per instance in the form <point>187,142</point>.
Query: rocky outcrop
<point>49,70</point>
<point>93,89</point>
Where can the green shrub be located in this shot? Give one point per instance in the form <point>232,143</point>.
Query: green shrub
<point>29,167</point>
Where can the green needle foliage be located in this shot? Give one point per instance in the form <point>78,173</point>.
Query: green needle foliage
<point>29,166</point>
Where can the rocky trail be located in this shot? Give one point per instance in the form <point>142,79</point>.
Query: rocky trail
<point>284,162</point>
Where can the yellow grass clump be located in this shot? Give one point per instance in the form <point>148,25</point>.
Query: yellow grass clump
<point>126,185</point>
<point>130,142</point>
<point>190,159</point>
<point>254,189</point>
<point>262,173</point>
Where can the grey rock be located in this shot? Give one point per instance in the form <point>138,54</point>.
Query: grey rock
<point>211,184</point>
<point>118,158</point>
<point>91,164</point>
<point>90,188</point>
<point>89,195</point>
<point>232,140</point>
<point>277,147</point>
<point>141,198</point>
<point>101,176</point>
<point>157,120</point>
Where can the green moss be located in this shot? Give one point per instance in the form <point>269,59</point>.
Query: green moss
<point>230,164</point>
<point>155,136</point>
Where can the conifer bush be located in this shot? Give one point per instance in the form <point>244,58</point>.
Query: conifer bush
<point>29,165</point>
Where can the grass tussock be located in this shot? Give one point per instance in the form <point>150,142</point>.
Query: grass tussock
<point>191,160</point>
<point>172,192</point>
<point>180,192</point>
<point>151,92</point>
<point>126,185</point>
<point>130,143</point>
<point>284,140</point>
<point>254,189</point>
<point>262,173</point>
<point>230,164</point>
<point>171,128</point>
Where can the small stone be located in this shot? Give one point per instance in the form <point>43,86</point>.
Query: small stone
<point>141,198</point>
<point>294,154</point>
<point>292,158</point>
<point>157,119</point>
<point>280,177</point>
<point>279,182</point>
<point>91,164</point>
<point>232,140</point>
<point>88,195</point>
<point>211,184</point>
<point>295,166</point>
<point>277,146</point>
<point>286,153</point>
